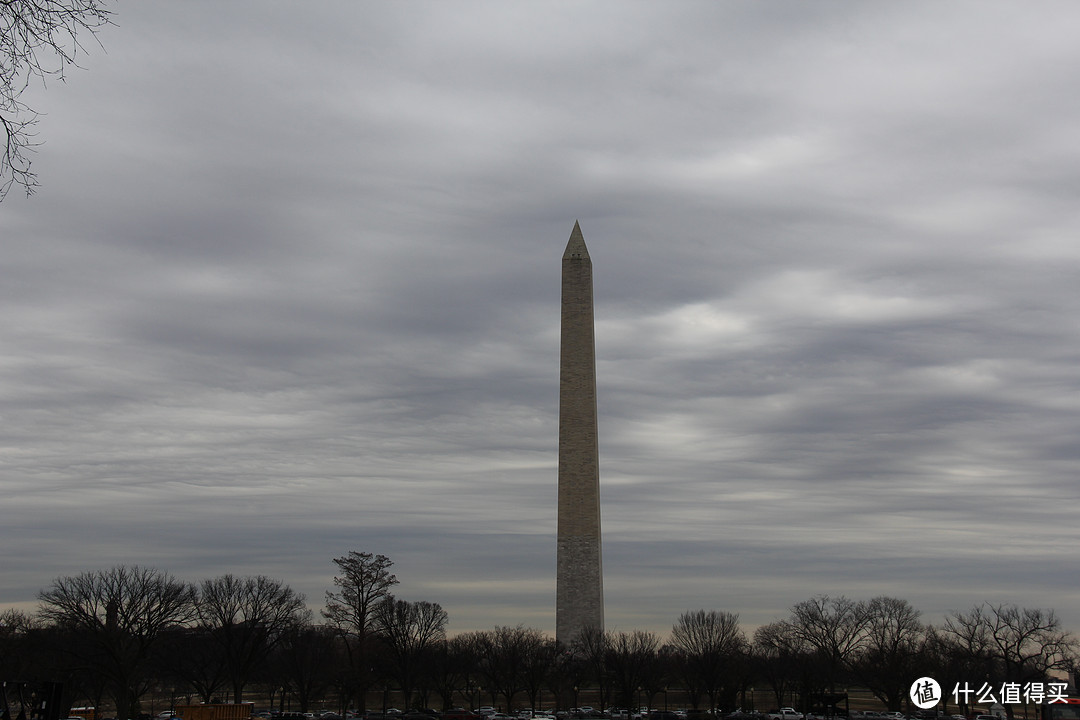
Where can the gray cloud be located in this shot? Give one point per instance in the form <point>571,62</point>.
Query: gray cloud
<point>290,289</point>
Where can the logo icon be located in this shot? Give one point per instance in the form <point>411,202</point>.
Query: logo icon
<point>925,693</point>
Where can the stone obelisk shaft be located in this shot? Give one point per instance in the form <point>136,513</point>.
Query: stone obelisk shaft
<point>579,582</point>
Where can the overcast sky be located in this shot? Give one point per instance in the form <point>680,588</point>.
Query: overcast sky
<point>290,288</point>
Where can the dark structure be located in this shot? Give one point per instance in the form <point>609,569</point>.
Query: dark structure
<point>32,700</point>
<point>579,590</point>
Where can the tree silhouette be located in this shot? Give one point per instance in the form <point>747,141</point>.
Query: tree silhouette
<point>364,582</point>
<point>38,39</point>
<point>115,618</point>
<point>247,618</point>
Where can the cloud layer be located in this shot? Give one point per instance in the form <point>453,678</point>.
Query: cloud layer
<point>290,288</point>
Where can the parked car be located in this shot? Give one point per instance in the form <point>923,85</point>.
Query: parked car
<point>785,714</point>
<point>663,715</point>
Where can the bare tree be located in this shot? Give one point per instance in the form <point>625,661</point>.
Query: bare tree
<point>17,644</point>
<point>835,627</point>
<point>890,656</point>
<point>632,662</point>
<point>118,615</point>
<point>539,665</point>
<point>410,631</point>
<point>589,648</point>
<point>247,618</point>
<point>708,644</point>
<point>780,657</point>
<point>38,39</point>
<point>303,661</point>
<point>952,660</point>
<point>453,666</point>
<point>193,657</point>
<point>1011,643</point>
<point>364,582</point>
<point>507,661</point>
<point>1030,642</point>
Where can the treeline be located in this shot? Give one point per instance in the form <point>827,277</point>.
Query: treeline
<point>121,634</point>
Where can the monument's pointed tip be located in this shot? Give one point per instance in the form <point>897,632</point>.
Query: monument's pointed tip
<point>576,246</point>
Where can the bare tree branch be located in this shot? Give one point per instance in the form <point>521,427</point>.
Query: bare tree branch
<point>38,39</point>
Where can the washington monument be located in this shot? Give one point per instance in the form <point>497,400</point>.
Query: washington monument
<point>579,584</point>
